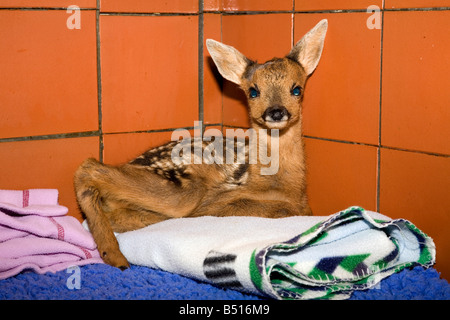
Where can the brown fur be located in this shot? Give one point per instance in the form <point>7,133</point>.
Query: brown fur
<point>152,188</point>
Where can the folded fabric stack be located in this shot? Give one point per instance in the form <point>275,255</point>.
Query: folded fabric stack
<point>289,258</point>
<point>36,234</point>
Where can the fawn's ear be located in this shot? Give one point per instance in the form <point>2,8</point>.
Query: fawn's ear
<point>230,62</point>
<point>309,49</point>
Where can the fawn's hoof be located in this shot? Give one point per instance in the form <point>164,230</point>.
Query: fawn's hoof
<point>115,259</point>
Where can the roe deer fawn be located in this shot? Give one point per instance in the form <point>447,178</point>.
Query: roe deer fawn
<point>153,187</point>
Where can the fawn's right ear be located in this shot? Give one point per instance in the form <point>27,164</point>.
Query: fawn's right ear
<point>230,62</point>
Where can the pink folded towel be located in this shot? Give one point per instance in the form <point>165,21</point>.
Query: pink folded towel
<point>36,234</point>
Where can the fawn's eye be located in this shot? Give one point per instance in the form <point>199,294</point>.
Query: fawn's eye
<point>296,91</point>
<point>253,93</point>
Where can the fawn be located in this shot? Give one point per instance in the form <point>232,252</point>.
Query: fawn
<point>153,188</point>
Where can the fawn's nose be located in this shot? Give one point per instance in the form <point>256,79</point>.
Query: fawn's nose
<point>276,114</point>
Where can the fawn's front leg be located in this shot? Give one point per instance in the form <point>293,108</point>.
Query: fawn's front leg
<point>238,204</point>
<point>128,198</point>
<point>100,227</point>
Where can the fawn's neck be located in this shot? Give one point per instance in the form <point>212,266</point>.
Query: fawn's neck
<point>280,152</point>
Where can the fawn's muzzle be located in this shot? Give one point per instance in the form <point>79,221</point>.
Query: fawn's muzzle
<point>276,114</point>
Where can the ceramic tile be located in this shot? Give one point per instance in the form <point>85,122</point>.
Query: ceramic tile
<point>415,187</point>
<point>47,3</point>
<point>49,73</point>
<point>46,164</point>
<point>122,148</point>
<point>145,6</point>
<point>257,5</point>
<point>306,5</point>
<point>340,175</point>
<point>212,80</point>
<point>416,3</point>
<point>342,96</point>
<point>212,5</point>
<point>259,37</point>
<point>416,68</point>
<point>149,72</point>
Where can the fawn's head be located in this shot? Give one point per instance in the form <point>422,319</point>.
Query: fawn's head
<point>275,88</point>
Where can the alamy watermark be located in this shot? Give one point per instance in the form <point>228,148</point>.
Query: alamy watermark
<point>262,147</point>
<point>74,280</point>
<point>374,20</point>
<point>74,20</point>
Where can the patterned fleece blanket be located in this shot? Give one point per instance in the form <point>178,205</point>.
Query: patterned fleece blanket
<point>291,258</point>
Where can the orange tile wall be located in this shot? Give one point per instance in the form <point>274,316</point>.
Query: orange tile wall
<point>376,111</point>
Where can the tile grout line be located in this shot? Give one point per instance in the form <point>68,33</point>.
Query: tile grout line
<point>341,141</point>
<point>249,12</point>
<point>221,83</point>
<point>379,115</point>
<point>255,12</point>
<point>86,134</point>
<point>293,25</point>
<point>160,130</point>
<point>96,133</point>
<point>83,134</point>
<point>150,14</point>
<point>428,153</point>
<point>200,64</point>
<point>99,83</point>
<point>435,154</point>
<point>44,8</point>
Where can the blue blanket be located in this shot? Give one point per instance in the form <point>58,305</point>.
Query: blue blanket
<point>100,281</point>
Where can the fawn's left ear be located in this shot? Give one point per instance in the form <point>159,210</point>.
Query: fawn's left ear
<point>309,49</point>
<point>230,62</point>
